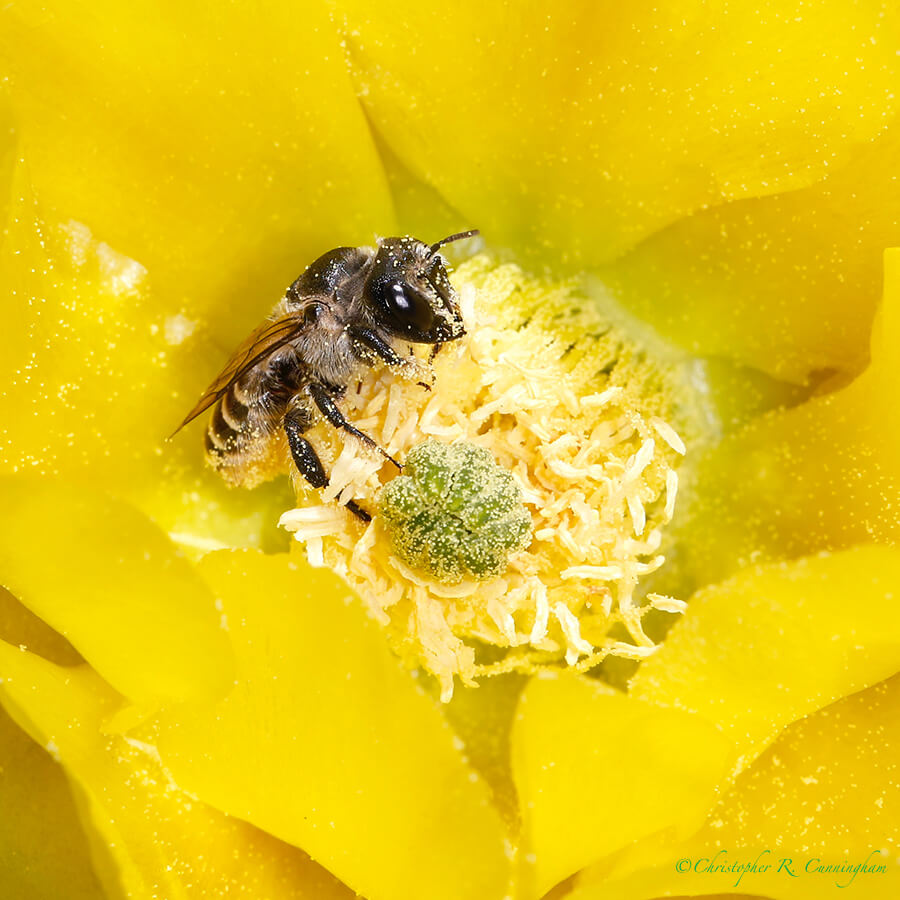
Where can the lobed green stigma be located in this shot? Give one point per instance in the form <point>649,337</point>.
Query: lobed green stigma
<point>454,512</point>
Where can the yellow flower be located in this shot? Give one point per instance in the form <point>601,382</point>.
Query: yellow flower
<point>232,723</point>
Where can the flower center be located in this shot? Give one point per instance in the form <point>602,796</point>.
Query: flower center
<point>581,418</point>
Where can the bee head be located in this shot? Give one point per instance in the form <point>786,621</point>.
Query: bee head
<point>409,292</point>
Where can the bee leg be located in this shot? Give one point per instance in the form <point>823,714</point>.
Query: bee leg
<point>332,413</point>
<point>310,466</point>
<point>372,341</point>
<point>383,350</point>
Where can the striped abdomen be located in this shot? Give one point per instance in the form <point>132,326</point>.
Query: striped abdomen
<point>244,439</point>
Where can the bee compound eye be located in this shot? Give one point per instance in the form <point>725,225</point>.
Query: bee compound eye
<point>409,308</point>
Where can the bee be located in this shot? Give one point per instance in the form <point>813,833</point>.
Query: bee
<point>346,313</point>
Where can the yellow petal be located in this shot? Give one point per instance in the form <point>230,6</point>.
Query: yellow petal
<point>826,793</point>
<point>786,283</point>
<point>596,770</point>
<point>162,842</point>
<point>94,374</point>
<point>20,627</point>
<point>107,579</point>
<point>482,719</point>
<point>213,168</point>
<point>823,475</point>
<point>777,642</point>
<point>221,147</point>
<point>583,129</point>
<point>326,743</point>
<point>37,861</point>
<point>83,355</point>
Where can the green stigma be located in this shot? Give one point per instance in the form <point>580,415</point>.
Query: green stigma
<point>454,512</point>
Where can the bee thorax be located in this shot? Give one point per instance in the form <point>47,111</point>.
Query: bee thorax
<point>329,357</point>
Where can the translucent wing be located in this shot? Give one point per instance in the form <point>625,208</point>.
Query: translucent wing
<point>263,341</point>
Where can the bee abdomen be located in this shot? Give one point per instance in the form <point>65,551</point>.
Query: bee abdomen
<point>244,442</point>
<point>235,435</point>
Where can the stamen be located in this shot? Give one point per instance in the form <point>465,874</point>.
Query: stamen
<point>581,419</point>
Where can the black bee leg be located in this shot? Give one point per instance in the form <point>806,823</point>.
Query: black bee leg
<point>332,413</point>
<point>310,466</point>
<point>383,350</point>
<point>372,341</point>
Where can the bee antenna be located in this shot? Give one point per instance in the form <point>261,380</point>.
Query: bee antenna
<point>453,237</point>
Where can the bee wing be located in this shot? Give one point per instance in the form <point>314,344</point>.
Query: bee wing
<point>264,340</point>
